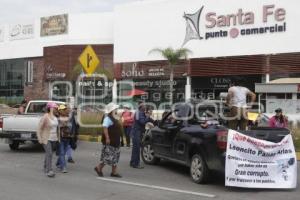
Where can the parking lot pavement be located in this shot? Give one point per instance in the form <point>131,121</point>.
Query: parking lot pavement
<point>21,177</point>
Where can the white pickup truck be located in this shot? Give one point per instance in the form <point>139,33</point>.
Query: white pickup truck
<point>17,129</point>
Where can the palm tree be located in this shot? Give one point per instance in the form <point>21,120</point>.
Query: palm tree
<point>173,56</point>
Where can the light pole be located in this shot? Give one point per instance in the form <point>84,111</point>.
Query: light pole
<point>188,87</point>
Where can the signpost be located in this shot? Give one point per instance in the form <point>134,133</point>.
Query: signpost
<point>89,61</point>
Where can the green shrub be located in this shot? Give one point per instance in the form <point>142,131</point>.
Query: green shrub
<point>91,118</point>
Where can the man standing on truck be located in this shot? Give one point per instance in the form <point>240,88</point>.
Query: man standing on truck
<point>237,102</point>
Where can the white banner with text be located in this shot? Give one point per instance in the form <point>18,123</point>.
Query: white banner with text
<point>255,163</point>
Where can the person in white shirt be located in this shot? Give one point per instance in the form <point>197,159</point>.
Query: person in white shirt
<point>48,135</point>
<point>237,102</point>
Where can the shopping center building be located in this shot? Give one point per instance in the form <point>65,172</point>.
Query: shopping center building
<point>38,53</point>
<point>255,40</point>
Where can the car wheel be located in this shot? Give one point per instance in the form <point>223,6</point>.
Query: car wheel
<point>198,170</point>
<point>14,145</point>
<point>148,155</point>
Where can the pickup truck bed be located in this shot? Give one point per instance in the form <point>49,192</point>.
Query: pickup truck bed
<point>24,129</point>
<point>17,129</point>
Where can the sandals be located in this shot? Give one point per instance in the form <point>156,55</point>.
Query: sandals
<point>116,175</point>
<point>100,174</point>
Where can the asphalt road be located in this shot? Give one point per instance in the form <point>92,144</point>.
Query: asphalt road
<point>21,177</point>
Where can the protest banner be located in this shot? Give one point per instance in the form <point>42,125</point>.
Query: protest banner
<point>255,163</point>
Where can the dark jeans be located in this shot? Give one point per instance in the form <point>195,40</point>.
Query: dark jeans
<point>127,130</point>
<point>136,148</point>
<point>63,148</point>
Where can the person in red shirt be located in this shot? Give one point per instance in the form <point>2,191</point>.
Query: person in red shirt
<point>279,120</point>
<point>127,119</point>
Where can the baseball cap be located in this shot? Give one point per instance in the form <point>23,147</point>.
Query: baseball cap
<point>278,110</point>
<point>51,105</point>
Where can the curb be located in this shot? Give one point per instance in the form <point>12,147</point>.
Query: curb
<point>89,138</point>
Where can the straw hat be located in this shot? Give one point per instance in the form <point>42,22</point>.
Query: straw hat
<point>61,107</point>
<point>111,107</point>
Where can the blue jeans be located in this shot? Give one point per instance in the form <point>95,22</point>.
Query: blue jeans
<point>136,148</point>
<point>69,152</point>
<point>63,147</point>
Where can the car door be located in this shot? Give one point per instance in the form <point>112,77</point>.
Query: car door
<point>163,138</point>
<point>180,145</point>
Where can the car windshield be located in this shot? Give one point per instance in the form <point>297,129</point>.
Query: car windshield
<point>207,112</point>
<point>38,107</point>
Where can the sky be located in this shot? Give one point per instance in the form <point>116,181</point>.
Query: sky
<point>12,11</point>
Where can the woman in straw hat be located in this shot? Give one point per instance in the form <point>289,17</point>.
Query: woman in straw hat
<point>111,141</point>
<point>65,128</point>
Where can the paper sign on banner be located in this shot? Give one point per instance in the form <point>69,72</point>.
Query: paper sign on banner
<point>255,163</point>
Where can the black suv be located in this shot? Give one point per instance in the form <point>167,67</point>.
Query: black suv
<point>195,136</point>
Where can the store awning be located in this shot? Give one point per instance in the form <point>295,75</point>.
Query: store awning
<point>135,92</point>
<point>286,80</point>
<point>277,88</point>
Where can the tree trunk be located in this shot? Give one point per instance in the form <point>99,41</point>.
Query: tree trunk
<point>171,84</point>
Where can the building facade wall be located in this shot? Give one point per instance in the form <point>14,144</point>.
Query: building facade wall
<point>38,89</point>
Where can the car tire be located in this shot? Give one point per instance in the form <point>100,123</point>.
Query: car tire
<point>148,155</point>
<point>14,145</point>
<point>198,169</point>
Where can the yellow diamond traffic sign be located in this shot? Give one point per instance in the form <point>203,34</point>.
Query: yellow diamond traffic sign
<point>89,60</point>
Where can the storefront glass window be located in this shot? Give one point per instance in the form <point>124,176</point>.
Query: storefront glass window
<point>156,91</point>
<point>288,95</point>
<point>12,77</point>
<point>94,92</point>
<point>276,96</point>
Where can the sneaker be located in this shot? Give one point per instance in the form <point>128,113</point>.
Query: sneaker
<point>137,167</point>
<point>58,169</point>
<point>70,160</point>
<point>116,175</point>
<point>51,174</point>
<point>64,170</point>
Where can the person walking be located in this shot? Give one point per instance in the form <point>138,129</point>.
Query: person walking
<point>237,102</point>
<point>127,119</point>
<point>48,136</point>
<point>140,119</point>
<point>65,129</point>
<point>75,131</point>
<point>110,154</point>
<point>278,120</point>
